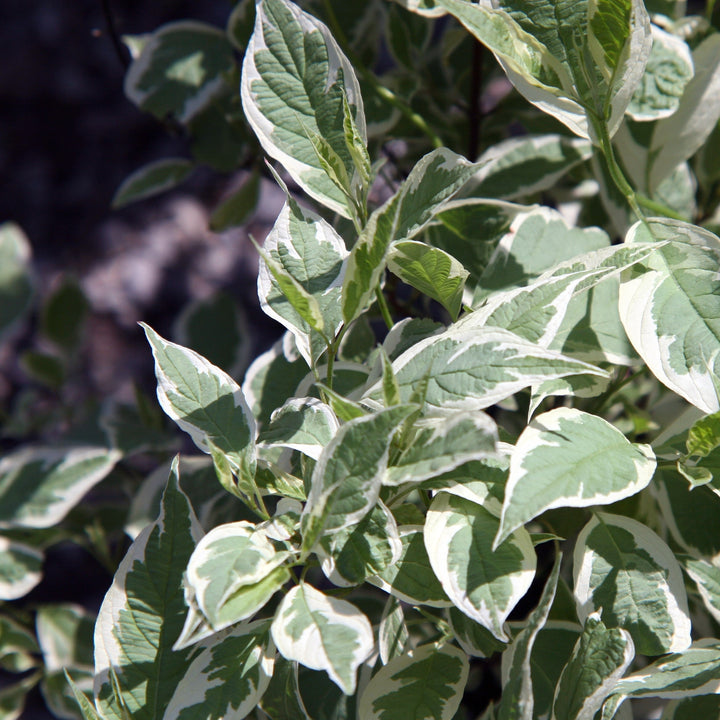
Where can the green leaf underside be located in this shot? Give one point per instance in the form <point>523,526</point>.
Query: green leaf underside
<point>624,570</point>
<point>482,583</point>
<point>569,458</point>
<point>205,402</point>
<point>599,659</point>
<point>295,79</point>
<point>426,684</point>
<point>142,614</point>
<point>323,633</point>
<point>431,271</point>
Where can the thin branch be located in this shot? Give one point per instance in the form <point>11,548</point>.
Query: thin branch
<point>121,51</point>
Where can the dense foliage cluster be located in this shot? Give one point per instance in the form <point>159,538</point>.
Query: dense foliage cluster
<point>483,453</point>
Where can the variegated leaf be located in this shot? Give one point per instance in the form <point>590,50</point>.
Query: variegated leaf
<point>517,702</point>
<point>472,368</point>
<point>441,444</point>
<point>205,402</point>
<point>425,684</point>
<point>307,248</point>
<point>345,483</point>
<point>626,572</point>
<point>457,532</point>
<point>670,308</point>
<point>695,671</point>
<point>599,659</point>
<point>323,633</point>
<point>228,678</point>
<point>569,458</point>
<point>431,184</point>
<point>232,572</point>
<point>294,82</point>
<point>40,485</point>
<point>303,424</point>
<point>142,615</point>
<point>411,578</point>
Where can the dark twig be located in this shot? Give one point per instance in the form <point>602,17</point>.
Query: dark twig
<point>120,50</point>
<point>475,109</point>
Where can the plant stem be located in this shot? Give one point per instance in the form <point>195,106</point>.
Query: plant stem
<point>120,50</point>
<point>385,93</point>
<point>615,171</point>
<point>384,309</point>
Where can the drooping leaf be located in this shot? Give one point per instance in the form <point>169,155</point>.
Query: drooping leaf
<point>393,635</point>
<point>599,659</point>
<point>626,572</point>
<point>323,633</point>
<point>431,184</point>
<point>294,84</point>
<point>17,646</point>
<point>39,485</point>
<point>425,684</point>
<point>431,271</point>
<point>228,678</point>
<point>457,534</point>
<point>569,458</point>
<point>670,308</point>
<point>142,615</point>
<point>205,402</point>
